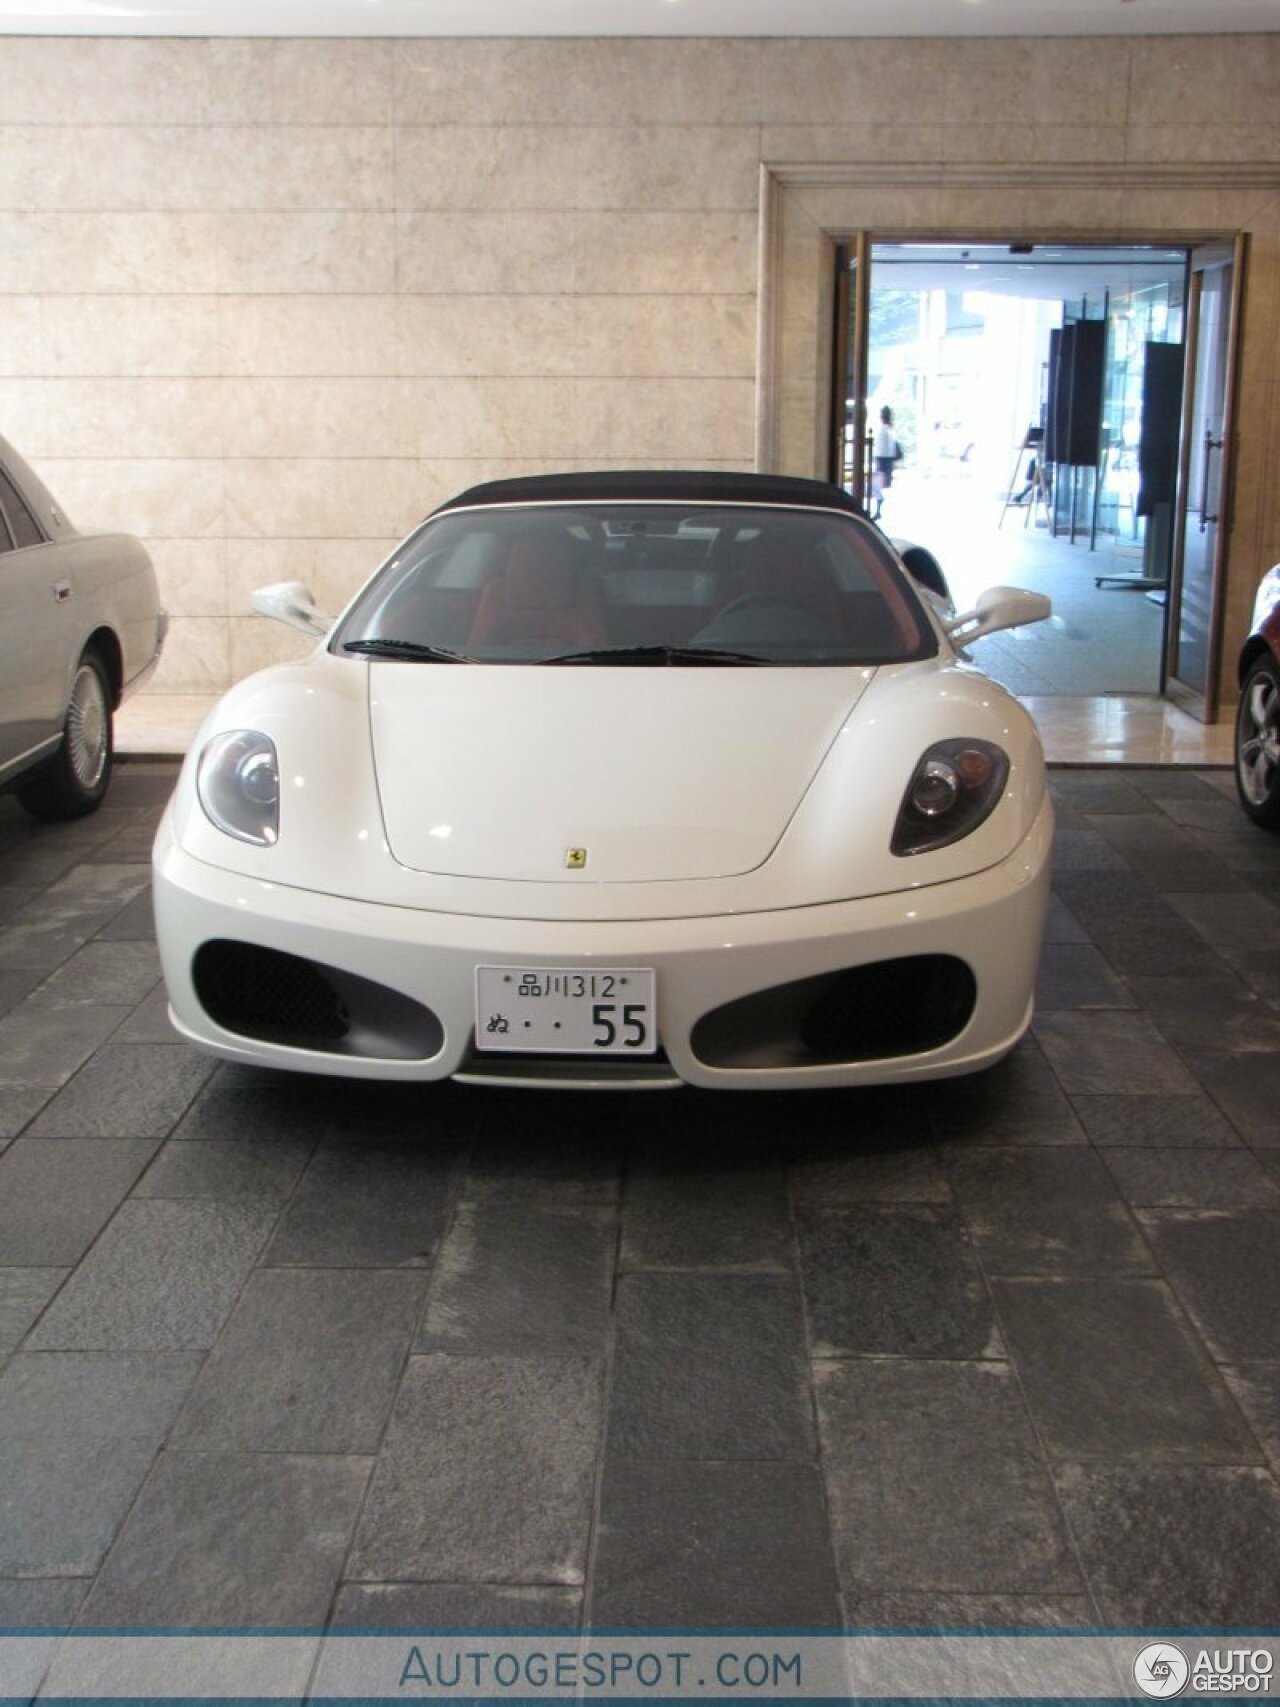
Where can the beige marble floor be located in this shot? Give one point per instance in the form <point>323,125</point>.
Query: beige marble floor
<point>1110,731</point>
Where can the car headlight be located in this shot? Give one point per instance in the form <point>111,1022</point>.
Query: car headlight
<point>238,781</point>
<point>955,787</point>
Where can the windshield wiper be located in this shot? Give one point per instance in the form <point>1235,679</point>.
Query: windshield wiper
<point>671,655</point>
<point>411,651</point>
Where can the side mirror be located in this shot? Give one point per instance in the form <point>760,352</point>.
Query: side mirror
<point>291,602</point>
<point>997,608</point>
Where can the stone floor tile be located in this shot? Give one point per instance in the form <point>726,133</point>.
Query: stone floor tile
<point>41,1603</point>
<point>1046,1212</point>
<point>526,1279</point>
<point>237,1104</point>
<point>1084,849</point>
<point>709,1366</point>
<point>455,1606</point>
<point>894,1280</point>
<point>1075,975</point>
<point>1257,1390</point>
<point>24,1292</point>
<point>1090,792</point>
<point>1168,787</point>
<point>1167,1546</point>
<point>1169,858</point>
<point>936,1483</point>
<point>679,1213</point>
<point>905,1173</point>
<point>308,1362</point>
<point>1225,1267</point>
<point>45,1046</point>
<point>1061,924</point>
<point>1099,1053</point>
<point>1220,1013</point>
<point>134,923</point>
<point>1195,1179</point>
<point>15,987</point>
<point>486,1475</point>
<point>1110,1369</point>
<point>260,1170</point>
<point>1019,1102</point>
<point>78,1433</point>
<point>368,1205</point>
<point>1246,1089</point>
<point>894,1609</point>
<point>699,1546</point>
<point>56,1195</point>
<point>128,1090</point>
<point>116,973</point>
<point>162,1277</point>
<point>1244,928</point>
<point>149,1022</point>
<point>562,1149</point>
<point>19,1104</point>
<point>219,1540</point>
<point>1181,1122</point>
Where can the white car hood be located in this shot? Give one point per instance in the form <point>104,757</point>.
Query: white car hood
<point>659,774</point>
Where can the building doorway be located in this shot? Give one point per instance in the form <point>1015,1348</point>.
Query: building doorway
<point>1061,411</point>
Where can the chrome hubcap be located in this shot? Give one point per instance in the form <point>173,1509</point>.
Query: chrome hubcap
<point>1258,749</point>
<point>88,721</point>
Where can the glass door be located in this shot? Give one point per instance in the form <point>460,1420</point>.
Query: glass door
<point>1202,520</point>
<point>850,461</point>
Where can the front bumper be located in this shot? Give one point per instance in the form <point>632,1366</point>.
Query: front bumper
<point>991,922</point>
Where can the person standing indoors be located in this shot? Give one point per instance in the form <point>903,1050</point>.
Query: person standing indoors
<point>885,451</point>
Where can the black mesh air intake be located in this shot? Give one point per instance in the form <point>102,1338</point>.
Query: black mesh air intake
<point>283,998</point>
<point>883,1011</point>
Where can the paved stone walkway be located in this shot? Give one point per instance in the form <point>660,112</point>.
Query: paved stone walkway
<point>290,1352</point>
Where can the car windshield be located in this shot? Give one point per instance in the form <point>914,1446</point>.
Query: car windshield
<point>658,584</point>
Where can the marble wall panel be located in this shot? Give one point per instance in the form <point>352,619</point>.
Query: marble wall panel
<point>578,81</point>
<point>604,252</point>
<point>854,82</point>
<point>284,498</point>
<point>311,334</point>
<point>169,497</point>
<point>22,335</point>
<point>118,81</point>
<point>123,418</point>
<point>116,168</point>
<point>1082,80</point>
<point>516,335</point>
<point>197,656</point>
<point>135,254</point>
<point>1193,80</point>
<point>298,166</point>
<point>298,82</point>
<point>131,336</point>
<point>556,166</point>
<point>664,336</point>
<point>349,252</point>
<point>192,574</point>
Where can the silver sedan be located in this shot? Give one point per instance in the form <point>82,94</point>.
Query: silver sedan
<point>80,627</point>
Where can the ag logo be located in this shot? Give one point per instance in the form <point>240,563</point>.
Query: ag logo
<point>575,858</point>
<point>1161,1670</point>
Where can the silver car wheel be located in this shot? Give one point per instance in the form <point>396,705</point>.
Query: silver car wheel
<point>87,737</point>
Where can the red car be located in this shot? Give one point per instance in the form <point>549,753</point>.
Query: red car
<point>1258,719</point>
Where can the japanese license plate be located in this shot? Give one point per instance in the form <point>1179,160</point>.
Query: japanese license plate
<point>566,1011</point>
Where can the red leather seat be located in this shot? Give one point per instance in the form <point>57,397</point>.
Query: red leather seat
<point>539,597</point>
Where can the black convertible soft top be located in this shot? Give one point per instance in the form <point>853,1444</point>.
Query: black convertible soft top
<point>657,485</point>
